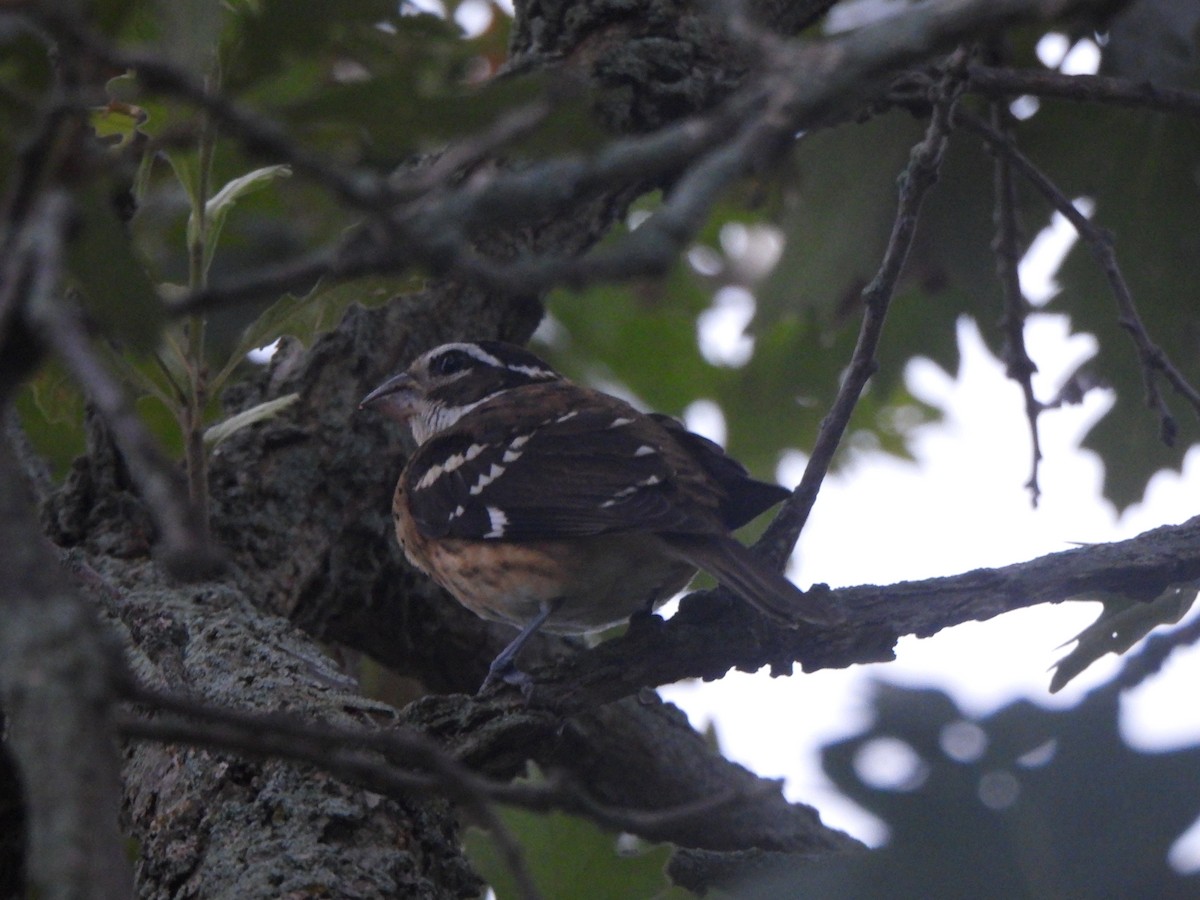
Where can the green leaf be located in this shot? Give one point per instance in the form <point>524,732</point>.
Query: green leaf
<point>1140,169</point>
<point>838,213</point>
<point>116,120</point>
<point>50,406</point>
<point>1122,623</point>
<point>570,857</point>
<point>112,280</point>
<point>1013,806</point>
<point>318,311</point>
<point>265,410</point>
<point>217,208</point>
<point>186,166</point>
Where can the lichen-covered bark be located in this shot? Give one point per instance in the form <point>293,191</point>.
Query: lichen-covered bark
<point>215,825</point>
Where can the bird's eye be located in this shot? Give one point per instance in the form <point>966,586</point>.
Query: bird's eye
<point>450,362</point>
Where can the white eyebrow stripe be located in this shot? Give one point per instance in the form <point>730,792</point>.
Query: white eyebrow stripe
<point>644,450</point>
<point>532,371</point>
<point>619,421</point>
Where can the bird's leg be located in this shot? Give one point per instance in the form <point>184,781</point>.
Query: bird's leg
<point>504,666</point>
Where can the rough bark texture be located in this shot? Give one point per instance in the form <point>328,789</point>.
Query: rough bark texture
<point>301,505</point>
<point>56,693</point>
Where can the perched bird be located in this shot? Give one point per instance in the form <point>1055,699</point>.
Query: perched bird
<point>547,505</point>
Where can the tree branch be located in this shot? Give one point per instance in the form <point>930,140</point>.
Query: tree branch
<point>711,633</point>
<point>56,694</point>
<point>1002,83</point>
<point>920,175</point>
<point>1154,360</point>
<point>1007,246</point>
<point>186,551</point>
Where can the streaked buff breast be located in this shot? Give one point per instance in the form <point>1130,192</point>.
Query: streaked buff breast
<point>593,583</point>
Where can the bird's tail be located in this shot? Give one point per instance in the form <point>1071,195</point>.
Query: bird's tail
<point>768,591</point>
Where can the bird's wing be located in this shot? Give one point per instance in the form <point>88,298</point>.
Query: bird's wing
<point>572,468</point>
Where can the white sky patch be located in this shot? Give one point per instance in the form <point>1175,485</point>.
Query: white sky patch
<point>435,7</point>
<point>1046,253</point>
<point>1024,107</point>
<point>706,419</point>
<point>1052,49</point>
<point>753,250</point>
<point>721,328</point>
<point>960,505</point>
<point>474,17</point>
<point>1081,59</point>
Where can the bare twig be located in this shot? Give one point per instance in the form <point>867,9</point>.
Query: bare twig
<point>1007,246</point>
<point>1153,360</point>
<point>800,84</point>
<point>1004,83</point>
<point>920,175</point>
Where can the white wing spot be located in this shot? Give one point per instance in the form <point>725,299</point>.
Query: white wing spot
<point>567,416</point>
<point>430,476</point>
<point>519,441</point>
<point>497,519</point>
<point>649,482</point>
<point>458,511</point>
<point>619,421</point>
<point>511,456</point>
<point>644,450</point>
<point>486,478</point>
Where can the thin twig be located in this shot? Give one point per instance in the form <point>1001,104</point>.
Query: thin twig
<point>1007,246</point>
<point>920,175</point>
<point>1153,359</point>
<point>185,550</point>
<point>1003,83</point>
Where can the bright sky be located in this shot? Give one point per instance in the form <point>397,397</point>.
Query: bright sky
<point>960,505</point>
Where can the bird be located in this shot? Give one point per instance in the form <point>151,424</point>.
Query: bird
<point>551,506</point>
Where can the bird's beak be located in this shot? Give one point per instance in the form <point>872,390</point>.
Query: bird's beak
<point>396,398</point>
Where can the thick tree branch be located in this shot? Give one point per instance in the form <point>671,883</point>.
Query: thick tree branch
<point>56,694</point>
<point>801,82</point>
<point>711,634</point>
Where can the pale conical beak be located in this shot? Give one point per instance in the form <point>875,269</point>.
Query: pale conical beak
<point>396,398</point>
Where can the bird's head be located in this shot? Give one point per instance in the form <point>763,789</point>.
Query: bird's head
<point>447,382</point>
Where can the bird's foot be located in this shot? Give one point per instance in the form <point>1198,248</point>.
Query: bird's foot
<point>505,671</point>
